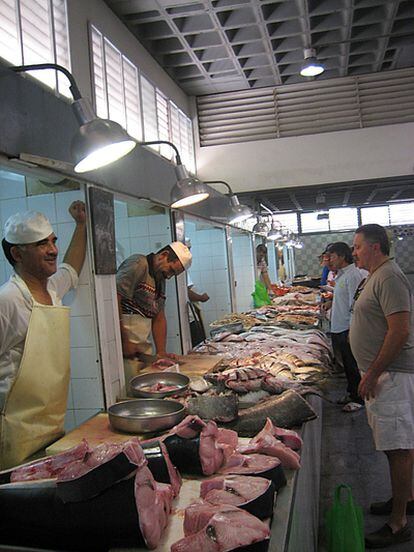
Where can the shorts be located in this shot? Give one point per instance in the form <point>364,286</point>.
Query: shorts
<point>391,413</point>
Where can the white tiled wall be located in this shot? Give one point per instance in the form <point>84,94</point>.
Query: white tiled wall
<point>244,271</point>
<point>209,270</point>
<point>271,258</point>
<point>144,235</point>
<point>86,392</point>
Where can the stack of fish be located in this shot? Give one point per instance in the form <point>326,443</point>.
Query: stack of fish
<point>121,495</point>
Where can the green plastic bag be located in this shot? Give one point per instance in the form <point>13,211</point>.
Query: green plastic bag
<point>344,524</point>
<point>260,295</point>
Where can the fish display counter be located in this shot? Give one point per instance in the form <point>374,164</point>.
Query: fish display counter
<point>241,469</point>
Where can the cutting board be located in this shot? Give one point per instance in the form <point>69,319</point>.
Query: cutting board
<point>194,365</point>
<point>96,431</point>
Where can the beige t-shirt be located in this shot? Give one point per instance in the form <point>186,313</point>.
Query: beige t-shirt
<point>385,292</point>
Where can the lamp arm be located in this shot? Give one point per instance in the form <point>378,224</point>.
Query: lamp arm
<point>153,142</point>
<point>219,182</point>
<point>34,67</point>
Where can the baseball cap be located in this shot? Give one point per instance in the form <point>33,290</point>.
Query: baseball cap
<point>27,227</point>
<point>183,253</point>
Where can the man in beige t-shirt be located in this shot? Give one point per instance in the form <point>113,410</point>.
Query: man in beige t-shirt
<point>382,342</point>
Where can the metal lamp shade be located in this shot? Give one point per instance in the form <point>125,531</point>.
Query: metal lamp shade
<point>188,191</point>
<point>98,143</point>
<point>260,228</point>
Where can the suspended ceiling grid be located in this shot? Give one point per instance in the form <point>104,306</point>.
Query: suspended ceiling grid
<point>346,194</point>
<point>210,46</point>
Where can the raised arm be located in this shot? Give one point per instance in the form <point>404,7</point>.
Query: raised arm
<point>75,253</point>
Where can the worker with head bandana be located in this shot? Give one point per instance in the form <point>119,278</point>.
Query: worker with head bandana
<point>140,284</point>
<point>34,332</point>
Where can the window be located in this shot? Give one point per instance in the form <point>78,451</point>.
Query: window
<point>343,218</point>
<point>288,220</point>
<point>377,215</point>
<point>35,31</point>
<point>149,111</point>
<point>311,223</point>
<point>126,96</point>
<point>116,85</point>
<point>163,123</point>
<point>402,213</point>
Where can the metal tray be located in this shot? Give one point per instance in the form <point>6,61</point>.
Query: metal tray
<point>145,415</point>
<point>166,378</point>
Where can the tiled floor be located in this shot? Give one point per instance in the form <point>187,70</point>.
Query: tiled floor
<point>348,456</point>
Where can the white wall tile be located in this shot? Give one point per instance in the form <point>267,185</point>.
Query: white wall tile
<point>87,394</point>
<point>82,415</point>
<point>64,232</point>
<point>70,422</point>
<point>158,241</point>
<point>138,226</point>
<point>3,278</point>
<point>79,300</point>
<point>12,185</point>
<point>63,201</point>
<point>82,331</point>
<point>44,203</point>
<point>121,228</point>
<point>85,275</point>
<point>8,269</point>
<point>120,208</point>
<point>10,207</point>
<point>157,222</point>
<point>111,318</point>
<point>69,402</point>
<point>123,250</point>
<point>140,245</point>
<point>84,362</point>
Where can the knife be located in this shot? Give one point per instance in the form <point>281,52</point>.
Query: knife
<point>148,359</point>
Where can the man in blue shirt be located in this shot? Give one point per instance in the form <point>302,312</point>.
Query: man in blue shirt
<point>347,281</point>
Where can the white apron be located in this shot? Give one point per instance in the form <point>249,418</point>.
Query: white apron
<point>35,406</point>
<point>139,331</point>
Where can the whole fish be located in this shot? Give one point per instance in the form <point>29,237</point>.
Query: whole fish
<point>287,410</point>
<point>221,408</point>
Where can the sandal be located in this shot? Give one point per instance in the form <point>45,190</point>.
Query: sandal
<point>352,407</point>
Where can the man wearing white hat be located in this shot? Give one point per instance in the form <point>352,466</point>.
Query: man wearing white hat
<point>141,298</point>
<point>34,332</point>
<point>195,317</point>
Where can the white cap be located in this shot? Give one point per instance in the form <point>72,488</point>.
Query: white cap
<point>27,227</point>
<point>183,253</point>
<point>187,242</point>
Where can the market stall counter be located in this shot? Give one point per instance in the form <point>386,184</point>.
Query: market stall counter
<point>237,459</point>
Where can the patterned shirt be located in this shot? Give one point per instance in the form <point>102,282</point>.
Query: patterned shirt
<point>142,291</point>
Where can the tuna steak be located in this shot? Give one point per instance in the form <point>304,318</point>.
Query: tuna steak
<point>253,494</point>
<point>201,454</point>
<point>257,465</point>
<point>46,468</point>
<point>161,466</point>
<point>288,437</point>
<point>269,445</point>
<point>130,513</point>
<point>228,529</point>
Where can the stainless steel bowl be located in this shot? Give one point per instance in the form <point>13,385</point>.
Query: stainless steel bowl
<point>145,415</point>
<point>138,384</point>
